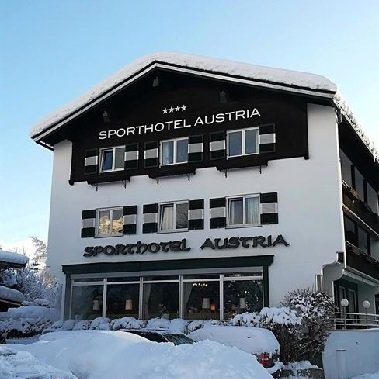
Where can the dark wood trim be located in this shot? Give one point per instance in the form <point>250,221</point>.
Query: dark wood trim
<point>67,296</point>
<point>266,287</point>
<point>139,266</point>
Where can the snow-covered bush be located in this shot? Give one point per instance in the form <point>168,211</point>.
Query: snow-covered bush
<point>100,323</point>
<point>316,310</point>
<point>127,323</point>
<point>301,325</point>
<point>26,320</point>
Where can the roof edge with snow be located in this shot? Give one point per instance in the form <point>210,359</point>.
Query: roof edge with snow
<point>265,77</point>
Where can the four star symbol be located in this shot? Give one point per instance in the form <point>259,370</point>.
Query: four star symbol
<point>176,109</point>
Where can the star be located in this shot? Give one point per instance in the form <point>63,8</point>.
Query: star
<point>177,108</point>
<point>164,110</point>
<point>184,107</point>
<point>171,109</point>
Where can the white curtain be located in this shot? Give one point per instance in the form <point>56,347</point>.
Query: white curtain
<point>167,152</point>
<point>236,211</point>
<point>252,210</point>
<point>167,217</point>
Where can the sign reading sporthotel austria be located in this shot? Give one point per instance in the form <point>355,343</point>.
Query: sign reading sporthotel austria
<point>181,246</point>
<point>216,118</point>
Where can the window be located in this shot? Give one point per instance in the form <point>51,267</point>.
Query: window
<point>112,159</point>
<point>359,184</point>
<point>173,216</point>
<point>346,168</point>
<point>242,142</point>
<point>110,222</point>
<point>243,210</point>
<point>174,151</point>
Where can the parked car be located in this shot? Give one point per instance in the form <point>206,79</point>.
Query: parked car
<point>257,341</point>
<point>161,336</point>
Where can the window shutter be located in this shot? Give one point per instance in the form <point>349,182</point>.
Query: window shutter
<point>269,208</point>
<point>195,149</point>
<point>91,161</point>
<point>131,156</point>
<point>218,213</point>
<point>267,138</point>
<point>150,218</point>
<point>88,223</point>
<point>217,145</point>
<point>196,214</point>
<point>130,219</point>
<point>150,157</point>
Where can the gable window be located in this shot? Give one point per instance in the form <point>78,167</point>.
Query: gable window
<point>109,222</point>
<point>243,210</point>
<point>112,159</point>
<point>174,151</point>
<point>173,216</point>
<point>242,142</point>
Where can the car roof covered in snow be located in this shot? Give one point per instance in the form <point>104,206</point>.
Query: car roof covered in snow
<point>249,339</point>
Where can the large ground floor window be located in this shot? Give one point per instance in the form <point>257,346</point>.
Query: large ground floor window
<point>197,296</point>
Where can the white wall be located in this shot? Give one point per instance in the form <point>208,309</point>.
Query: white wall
<point>361,353</point>
<point>308,199</point>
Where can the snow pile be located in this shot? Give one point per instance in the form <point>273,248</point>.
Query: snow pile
<point>86,355</point>
<point>251,340</point>
<point>26,320</point>
<point>173,326</point>
<point>21,364</point>
<point>13,258</point>
<point>127,323</point>
<point>11,294</point>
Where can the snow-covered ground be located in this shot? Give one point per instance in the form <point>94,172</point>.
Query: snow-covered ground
<point>367,376</point>
<point>106,354</point>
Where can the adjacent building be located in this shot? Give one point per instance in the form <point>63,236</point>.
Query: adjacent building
<point>191,187</point>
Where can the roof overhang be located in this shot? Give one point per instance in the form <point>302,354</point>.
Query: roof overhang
<point>305,84</point>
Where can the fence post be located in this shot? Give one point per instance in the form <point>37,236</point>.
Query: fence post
<point>341,363</point>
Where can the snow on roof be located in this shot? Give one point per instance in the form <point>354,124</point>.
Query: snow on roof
<point>345,110</point>
<point>261,76</point>
<point>10,258</point>
<point>11,294</point>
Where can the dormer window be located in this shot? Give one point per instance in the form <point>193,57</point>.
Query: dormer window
<point>242,142</point>
<point>112,159</point>
<point>174,151</point>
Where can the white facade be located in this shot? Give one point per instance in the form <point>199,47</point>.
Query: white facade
<point>309,202</point>
<point>326,216</point>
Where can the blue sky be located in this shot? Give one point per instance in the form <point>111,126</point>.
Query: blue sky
<point>53,51</point>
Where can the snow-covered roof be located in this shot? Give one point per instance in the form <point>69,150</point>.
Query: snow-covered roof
<point>11,294</point>
<point>11,259</point>
<point>260,76</point>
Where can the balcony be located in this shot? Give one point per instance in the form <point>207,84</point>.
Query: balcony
<point>356,207</point>
<point>356,320</point>
<point>360,261</point>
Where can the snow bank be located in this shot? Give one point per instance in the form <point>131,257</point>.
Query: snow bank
<point>21,364</point>
<point>251,340</point>
<point>367,376</point>
<point>102,354</point>
<point>13,258</point>
<point>11,294</point>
